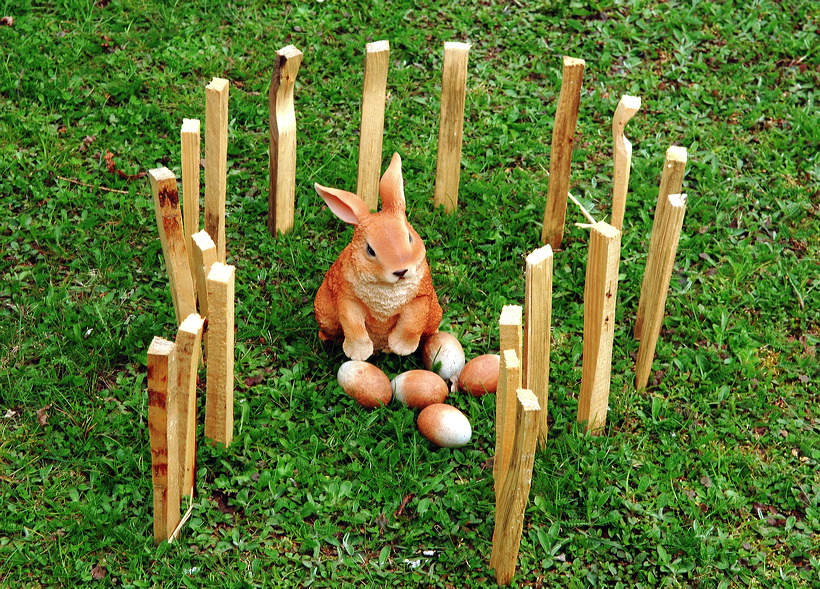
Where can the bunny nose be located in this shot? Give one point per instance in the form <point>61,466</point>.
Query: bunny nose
<point>400,273</point>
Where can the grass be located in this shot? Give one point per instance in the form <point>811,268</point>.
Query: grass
<point>706,479</point>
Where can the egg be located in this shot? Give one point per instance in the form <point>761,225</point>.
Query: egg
<point>443,354</point>
<point>419,388</point>
<point>368,385</point>
<point>480,375</point>
<point>445,426</point>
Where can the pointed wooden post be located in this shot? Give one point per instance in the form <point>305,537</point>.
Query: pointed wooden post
<point>600,294</point>
<point>659,266</point>
<point>563,133</point>
<point>538,320</point>
<point>190,143</point>
<point>451,125</point>
<point>172,237</point>
<point>622,157</point>
<point>216,161</point>
<point>281,109</point>
<point>163,434</point>
<point>188,348</point>
<point>377,58</point>
<point>219,388</point>
<point>512,494</point>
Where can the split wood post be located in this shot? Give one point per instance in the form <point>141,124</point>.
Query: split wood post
<point>621,157</point>
<point>219,388</point>
<point>163,434</point>
<point>600,295</point>
<point>216,161</point>
<point>566,118</point>
<point>671,183</point>
<point>282,112</point>
<point>451,125</point>
<point>190,143</point>
<point>538,320</point>
<point>172,237</point>
<point>188,349</point>
<point>509,380</point>
<point>377,58</point>
<point>659,266</point>
<point>511,497</point>
<point>204,250</point>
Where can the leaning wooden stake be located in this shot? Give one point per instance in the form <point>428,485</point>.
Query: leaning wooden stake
<point>671,183</point>
<point>512,494</point>
<point>188,350</point>
<point>191,154</point>
<point>538,312</point>
<point>163,434</point>
<point>622,157</point>
<point>219,387</point>
<point>600,294</point>
<point>508,382</point>
<point>377,58</point>
<point>172,237</point>
<point>282,160</point>
<point>216,161</point>
<point>659,266</point>
<point>566,117</point>
<point>451,125</point>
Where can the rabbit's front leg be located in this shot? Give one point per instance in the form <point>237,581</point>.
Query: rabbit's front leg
<point>357,344</point>
<point>405,337</point>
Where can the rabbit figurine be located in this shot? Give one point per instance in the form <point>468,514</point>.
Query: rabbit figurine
<point>378,294</point>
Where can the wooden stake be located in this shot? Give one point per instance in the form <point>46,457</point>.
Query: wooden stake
<point>621,156</point>
<point>219,388</point>
<point>510,329</point>
<point>671,183</point>
<point>538,311</point>
<point>566,117</point>
<point>451,125</point>
<point>172,236</point>
<point>600,294</point>
<point>162,426</point>
<point>216,161</point>
<point>509,380</point>
<point>191,155</point>
<point>204,251</point>
<point>282,112</point>
<point>188,348</point>
<point>511,497</point>
<point>659,266</point>
<point>376,63</point>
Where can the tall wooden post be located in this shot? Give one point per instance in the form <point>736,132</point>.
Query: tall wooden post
<point>219,388</point>
<point>538,313</point>
<point>621,157</point>
<point>377,58</point>
<point>188,348</point>
<point>451,125</point>
<point>216,161</point>
<point>566,117</point>
<point>281,109</point>
<point>600,294</point>
<point>191,154</point>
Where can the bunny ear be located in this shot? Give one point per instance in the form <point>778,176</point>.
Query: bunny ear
<point>391,187</point>
<point>345,205</point>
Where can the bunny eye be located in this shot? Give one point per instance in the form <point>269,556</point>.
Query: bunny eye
<point>410,237</point>
<point>370,251</point>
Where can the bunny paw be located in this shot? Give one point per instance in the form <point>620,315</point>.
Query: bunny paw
<point>358,349</point>
<point>402,346</point>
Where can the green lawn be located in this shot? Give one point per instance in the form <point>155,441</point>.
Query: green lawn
<point>706,479</point>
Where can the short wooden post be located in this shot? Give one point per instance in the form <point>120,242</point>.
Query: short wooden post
<point>621,157</point>
<point>219,388</point>
<point>600,294</point>
<point>163,432</point>
<point>538,320</point>
<point>204,251</point>
<point>451,125</point>
<point>216,161</point>
<point>172,237</point>
<point>377,58</point>
<point>566,117</point>
<point>510,329</point>
<point>512,494</point>
<point>509,380</point>
<point>671,183</point>
<point>188,348</point>
<point>282,112</point>
<point>659,266</point>
<point>191,154</point>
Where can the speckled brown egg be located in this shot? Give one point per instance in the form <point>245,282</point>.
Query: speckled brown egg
<point>419,388</point>
<point>445,426</point>
<point>368,385</point>
<point>480,375</point>
<point>443,354</point>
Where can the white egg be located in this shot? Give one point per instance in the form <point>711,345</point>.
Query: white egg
<point>445,426</point>
<point>443,354</point>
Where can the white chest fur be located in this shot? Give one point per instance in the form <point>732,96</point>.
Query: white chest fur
<point>383,299</point>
